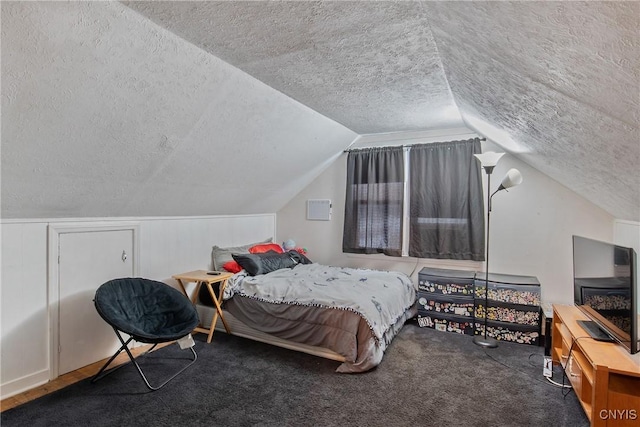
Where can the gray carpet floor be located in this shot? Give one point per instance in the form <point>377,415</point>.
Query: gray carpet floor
<point>427,378</point>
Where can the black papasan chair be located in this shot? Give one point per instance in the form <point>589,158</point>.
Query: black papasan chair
<point>149,312</point>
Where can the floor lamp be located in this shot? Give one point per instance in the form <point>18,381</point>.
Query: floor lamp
<point>489,160</point>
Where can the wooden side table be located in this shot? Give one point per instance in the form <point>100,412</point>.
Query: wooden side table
<point>201,277</point>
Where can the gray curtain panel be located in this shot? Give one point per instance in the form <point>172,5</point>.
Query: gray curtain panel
<point>374,201</point>
<point>446,201</point>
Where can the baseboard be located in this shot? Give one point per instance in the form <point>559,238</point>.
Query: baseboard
<point>23,384</point>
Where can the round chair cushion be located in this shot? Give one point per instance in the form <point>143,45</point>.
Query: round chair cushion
<point>149,311</point>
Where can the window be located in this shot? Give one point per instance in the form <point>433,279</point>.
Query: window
<point>446,210</point>
<point>374,201</point>
<point>444,191</point>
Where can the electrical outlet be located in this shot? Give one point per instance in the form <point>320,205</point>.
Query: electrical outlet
<point>547,368</point>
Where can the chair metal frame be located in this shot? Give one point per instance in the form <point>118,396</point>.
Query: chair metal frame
<point>102,373</point>
<point>146,311</point>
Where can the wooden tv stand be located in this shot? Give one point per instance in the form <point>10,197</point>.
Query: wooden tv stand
<point>604,376</point>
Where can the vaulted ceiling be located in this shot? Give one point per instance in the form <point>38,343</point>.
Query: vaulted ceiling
<point>115,109</point>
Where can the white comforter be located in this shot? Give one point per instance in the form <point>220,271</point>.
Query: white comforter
<point>379,297</point>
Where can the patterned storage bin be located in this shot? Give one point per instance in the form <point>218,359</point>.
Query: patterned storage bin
<point>512,313</point>
<point>446,282</point>
<point>446,323</point>
<point>502,331</point>
<point>429,303</point>
<point>523,290</point>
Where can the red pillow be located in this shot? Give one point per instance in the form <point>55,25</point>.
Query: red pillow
<point>266,247</point>
<point>232,267</point>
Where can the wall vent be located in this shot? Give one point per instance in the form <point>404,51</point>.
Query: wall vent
<point>319,209</point>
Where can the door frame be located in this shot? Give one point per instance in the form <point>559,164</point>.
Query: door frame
<point>53,283</point>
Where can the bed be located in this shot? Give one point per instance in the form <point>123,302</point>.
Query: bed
<point>345,314</point>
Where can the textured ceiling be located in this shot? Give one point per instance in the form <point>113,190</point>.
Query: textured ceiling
<point>561,83</point>
<point>556,83</point>
<point>106,114</point>
<point>115,108</point>
<point>372,66</point>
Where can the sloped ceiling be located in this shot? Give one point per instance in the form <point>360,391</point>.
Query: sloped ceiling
<point>106,114</point>
<point>558,83</point>
<point>372,66</point>
<point>187,108</point>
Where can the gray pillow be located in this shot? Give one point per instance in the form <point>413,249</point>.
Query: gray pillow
<point>264,263</point>
<point>220,256</point>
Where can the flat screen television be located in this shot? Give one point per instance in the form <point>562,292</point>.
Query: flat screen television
<point>606,290</point>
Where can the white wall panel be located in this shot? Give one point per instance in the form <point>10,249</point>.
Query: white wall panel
<point>175,245</point>
<point>24,346</point>
<point>245,230</point>
<point>168,246</point>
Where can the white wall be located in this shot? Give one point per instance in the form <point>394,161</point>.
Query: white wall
<point>627,233</point>
<point>168,246</point>
<point>531,226</point>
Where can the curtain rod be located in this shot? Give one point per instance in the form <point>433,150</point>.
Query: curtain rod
<point>348,150</point>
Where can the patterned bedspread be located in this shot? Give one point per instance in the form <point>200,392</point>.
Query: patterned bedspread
<point>381,298</point>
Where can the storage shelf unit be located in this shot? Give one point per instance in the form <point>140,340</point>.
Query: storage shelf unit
<point>604,376</point>
<point>513,312</point>
<point>453,301</point>
<point>445,300</point>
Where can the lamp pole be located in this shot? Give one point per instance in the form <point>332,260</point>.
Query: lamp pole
<point>513,177</point>
<point>484,340</point>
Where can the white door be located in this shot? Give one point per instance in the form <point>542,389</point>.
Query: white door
<point>87,260</point>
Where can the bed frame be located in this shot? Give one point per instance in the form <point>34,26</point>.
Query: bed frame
<point>240,329</point>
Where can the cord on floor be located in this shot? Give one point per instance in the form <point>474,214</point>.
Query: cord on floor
<point>549,380</point>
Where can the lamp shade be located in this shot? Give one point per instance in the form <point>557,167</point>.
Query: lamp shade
<point>511,179</point>
<point>489,159</point>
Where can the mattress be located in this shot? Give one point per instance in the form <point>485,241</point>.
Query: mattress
<point>354,313</point>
